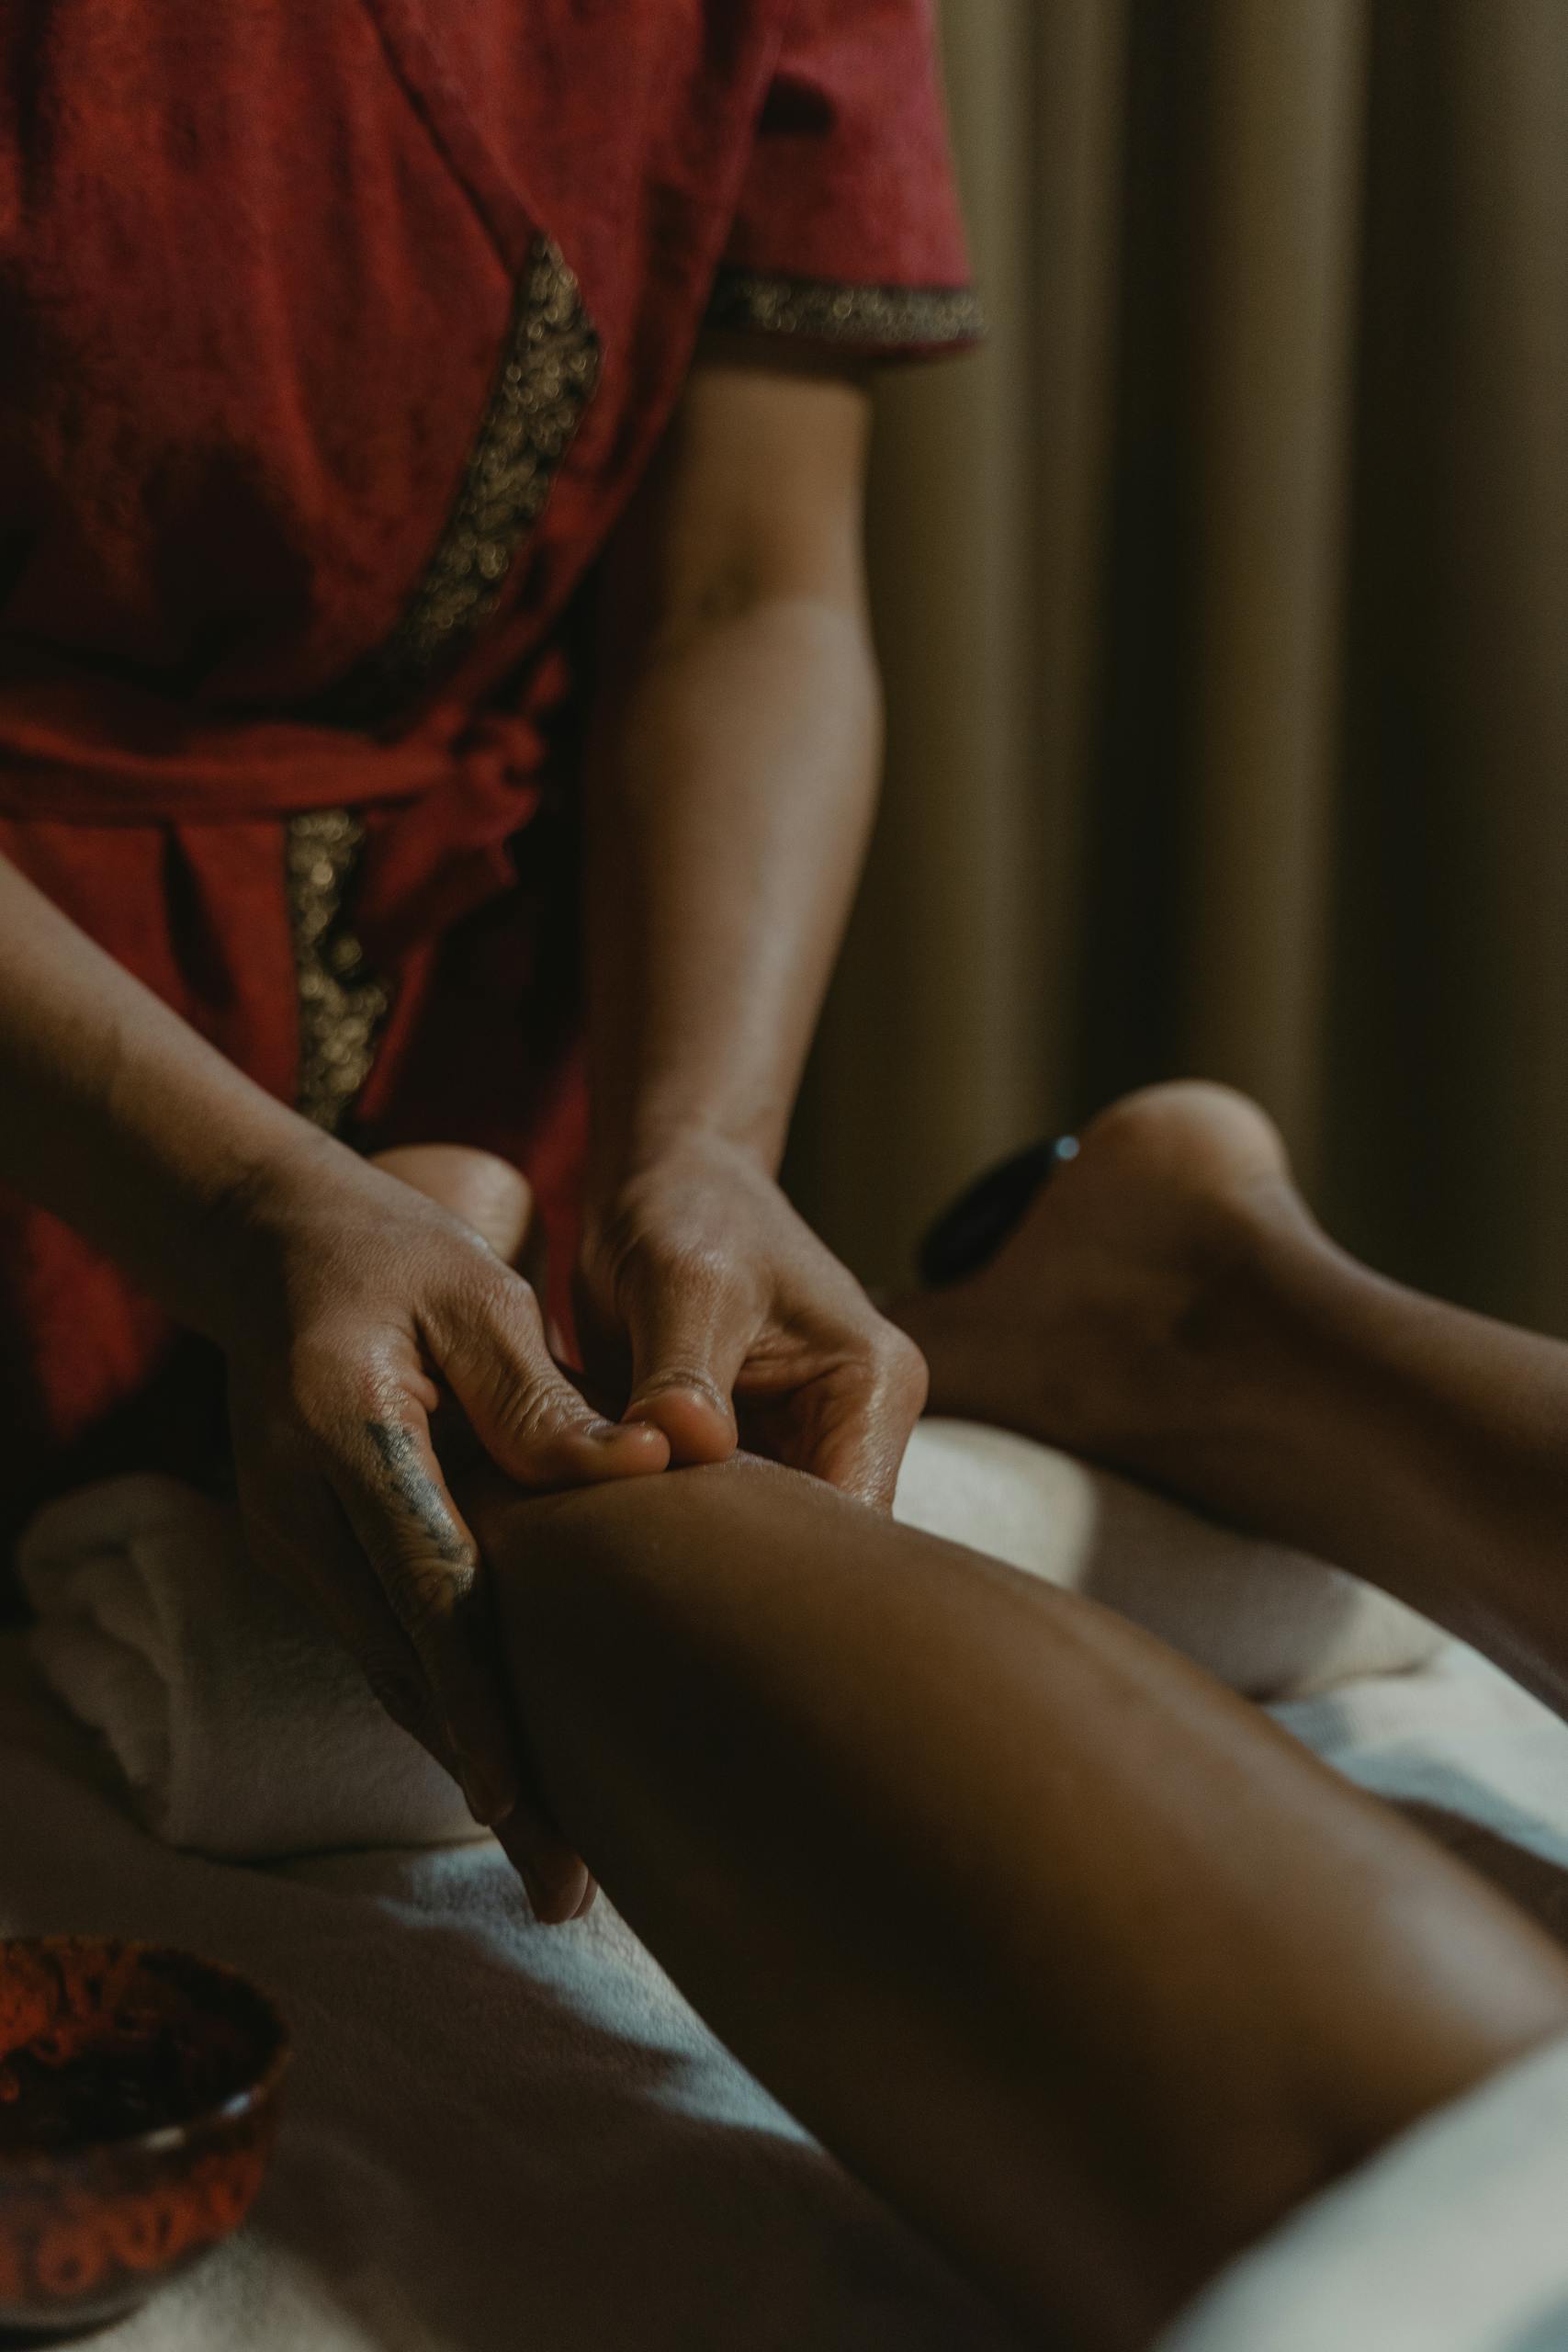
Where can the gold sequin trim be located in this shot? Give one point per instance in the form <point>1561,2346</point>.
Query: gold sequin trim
<point>547,376</point>
<point>341,1004</point>
<point>880,318</point>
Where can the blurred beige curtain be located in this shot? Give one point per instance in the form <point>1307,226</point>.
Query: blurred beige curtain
<point>1224,605</point>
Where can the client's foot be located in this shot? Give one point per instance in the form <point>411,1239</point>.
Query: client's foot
<point>1128,1313</point>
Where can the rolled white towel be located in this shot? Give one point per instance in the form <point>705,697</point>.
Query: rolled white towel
<point>241,1727</point>
<point>1270,1622</point>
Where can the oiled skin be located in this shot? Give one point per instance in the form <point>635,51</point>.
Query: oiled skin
<point>1091,1970</point>
<point>1086,1965</point>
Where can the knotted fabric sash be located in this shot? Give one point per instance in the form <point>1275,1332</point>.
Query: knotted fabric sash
<point>79,750</point>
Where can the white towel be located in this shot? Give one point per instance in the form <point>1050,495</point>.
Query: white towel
<point>238,1725</point>
<point>242,1730</point>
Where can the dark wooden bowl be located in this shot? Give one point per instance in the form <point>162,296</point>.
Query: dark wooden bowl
<point>138,2102</point>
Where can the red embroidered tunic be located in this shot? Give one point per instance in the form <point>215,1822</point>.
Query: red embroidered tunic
<point>332,341</point>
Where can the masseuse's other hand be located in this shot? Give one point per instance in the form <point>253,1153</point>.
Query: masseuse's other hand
<point>361,1307</point>
<point>714,1309</point>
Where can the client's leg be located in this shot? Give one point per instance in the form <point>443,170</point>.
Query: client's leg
<point>1088,1968</point>
<point>984,1882</point>
<point>1169,1307</point>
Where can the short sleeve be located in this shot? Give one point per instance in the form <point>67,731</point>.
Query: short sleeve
<point>848,230</point>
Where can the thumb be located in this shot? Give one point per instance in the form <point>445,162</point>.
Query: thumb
<point>525,1413</point>
<point>689,1340</point>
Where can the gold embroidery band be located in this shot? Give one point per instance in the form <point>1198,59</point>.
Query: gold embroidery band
<point>873,318</point>
<point>547,376</point>
<point>341,1004</point>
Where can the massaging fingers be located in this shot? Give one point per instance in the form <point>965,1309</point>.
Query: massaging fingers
<point>426,1563</point>
<point>352,1420</point>
<point>321,1559</point>
<point>850,1425</point>
<point>431,1576</point>
<point>559,1887</point>
<point>491,1351</point>
<point>432,1582</point>
<point>690,1327</point>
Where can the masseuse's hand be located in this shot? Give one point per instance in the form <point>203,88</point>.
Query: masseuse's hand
<point>361,1307</point>
<point>712,1307</point>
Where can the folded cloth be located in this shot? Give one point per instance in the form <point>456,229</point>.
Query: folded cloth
<point>241,1727</point>
<point>1270,1622</point>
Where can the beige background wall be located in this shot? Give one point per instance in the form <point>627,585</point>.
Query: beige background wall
<point>1224,604</point>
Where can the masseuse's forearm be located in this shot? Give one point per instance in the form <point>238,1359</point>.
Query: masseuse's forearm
<point>733,769</point>
<point>987,1885</point>
<point>732,793</point>
<point>118,1116</point>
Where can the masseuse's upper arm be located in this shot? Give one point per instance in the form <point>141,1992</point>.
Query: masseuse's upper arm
<point>757,492</point>
<point>843,249</point>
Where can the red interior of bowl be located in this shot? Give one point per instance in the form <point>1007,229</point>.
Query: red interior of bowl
<point>103,2040</point>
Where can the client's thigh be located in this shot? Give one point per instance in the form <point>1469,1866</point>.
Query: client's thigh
<point>1086,1965</point>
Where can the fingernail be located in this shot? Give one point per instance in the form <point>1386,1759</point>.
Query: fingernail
<point>488,1802</point>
